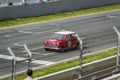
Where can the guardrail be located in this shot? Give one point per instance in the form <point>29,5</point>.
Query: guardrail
<point>73,73</point>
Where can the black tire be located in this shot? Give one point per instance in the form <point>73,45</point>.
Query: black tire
<point>62,49</point>
<point>46,49</point>
<point>77,46</point>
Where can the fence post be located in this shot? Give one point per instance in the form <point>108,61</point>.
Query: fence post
<point>13,63</point>
<point>81,53</point>
<point>118,46</point>
<point>29,56</point>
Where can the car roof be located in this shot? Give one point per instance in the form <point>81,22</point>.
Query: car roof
<point>64,32</point>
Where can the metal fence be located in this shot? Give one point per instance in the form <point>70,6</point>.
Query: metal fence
<point>14,61</point>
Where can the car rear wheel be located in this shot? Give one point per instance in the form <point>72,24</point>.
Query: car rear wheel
<point>77,46</point>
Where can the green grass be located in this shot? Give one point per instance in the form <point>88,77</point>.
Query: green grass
<point>67,64</point>
<point>8,23</point>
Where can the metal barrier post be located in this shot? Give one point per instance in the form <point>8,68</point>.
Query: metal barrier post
<point>29,56</point>
<point>80,55</point>
<point>13,63</point>
<point>118,45</point>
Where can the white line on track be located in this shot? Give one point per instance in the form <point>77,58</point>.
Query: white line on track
<point>33,28</point>
<point>43,62</point>
<point>111,16</point>
<point>37,48</point>
<point>47,31</point>
<point>18,44</point>
<point>33,53</point>
<point>50,53</point>
<point>24,31</point>
<point>34,49</point>
<point>8,36</point>
<point>20,59</point>
<point>10,57</point>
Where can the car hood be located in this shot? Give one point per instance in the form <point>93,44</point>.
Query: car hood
<point>51,40</point>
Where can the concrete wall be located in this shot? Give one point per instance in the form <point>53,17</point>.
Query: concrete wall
<point>38,9</point>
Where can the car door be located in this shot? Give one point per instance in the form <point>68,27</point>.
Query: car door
<point>73,40</point>
<point>69,41</point>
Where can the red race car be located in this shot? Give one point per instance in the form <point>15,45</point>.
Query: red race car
<point>61,41</point>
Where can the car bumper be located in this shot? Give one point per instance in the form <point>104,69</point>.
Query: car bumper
<point>52,48</point>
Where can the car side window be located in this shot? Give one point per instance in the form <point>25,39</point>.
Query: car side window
<point>61,37</point>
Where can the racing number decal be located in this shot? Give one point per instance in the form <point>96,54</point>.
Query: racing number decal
<point>69,43</point>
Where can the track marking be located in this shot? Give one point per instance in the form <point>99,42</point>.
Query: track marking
<point>33,60</point>
<point>43,62</point>
<point>110,16</point>
<point>54,24</point>
<point>8,36</point>
<point>33,49</point>
<point>46,31</point>
<point>22,31</point>
<point>32,53</point>
<point>33,28</point>
<point>35,53</point>
<point>17,44</point>
<point>10,57</point>
<point>48,53</point>
<point>37,48</point>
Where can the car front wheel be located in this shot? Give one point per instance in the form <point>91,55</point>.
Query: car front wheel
<point>62,49</point>
<point>46,49</point>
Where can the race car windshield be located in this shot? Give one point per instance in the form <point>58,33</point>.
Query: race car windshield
<point>58,36</point>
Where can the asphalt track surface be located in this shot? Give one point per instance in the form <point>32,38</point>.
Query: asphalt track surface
<point>95,30</point>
